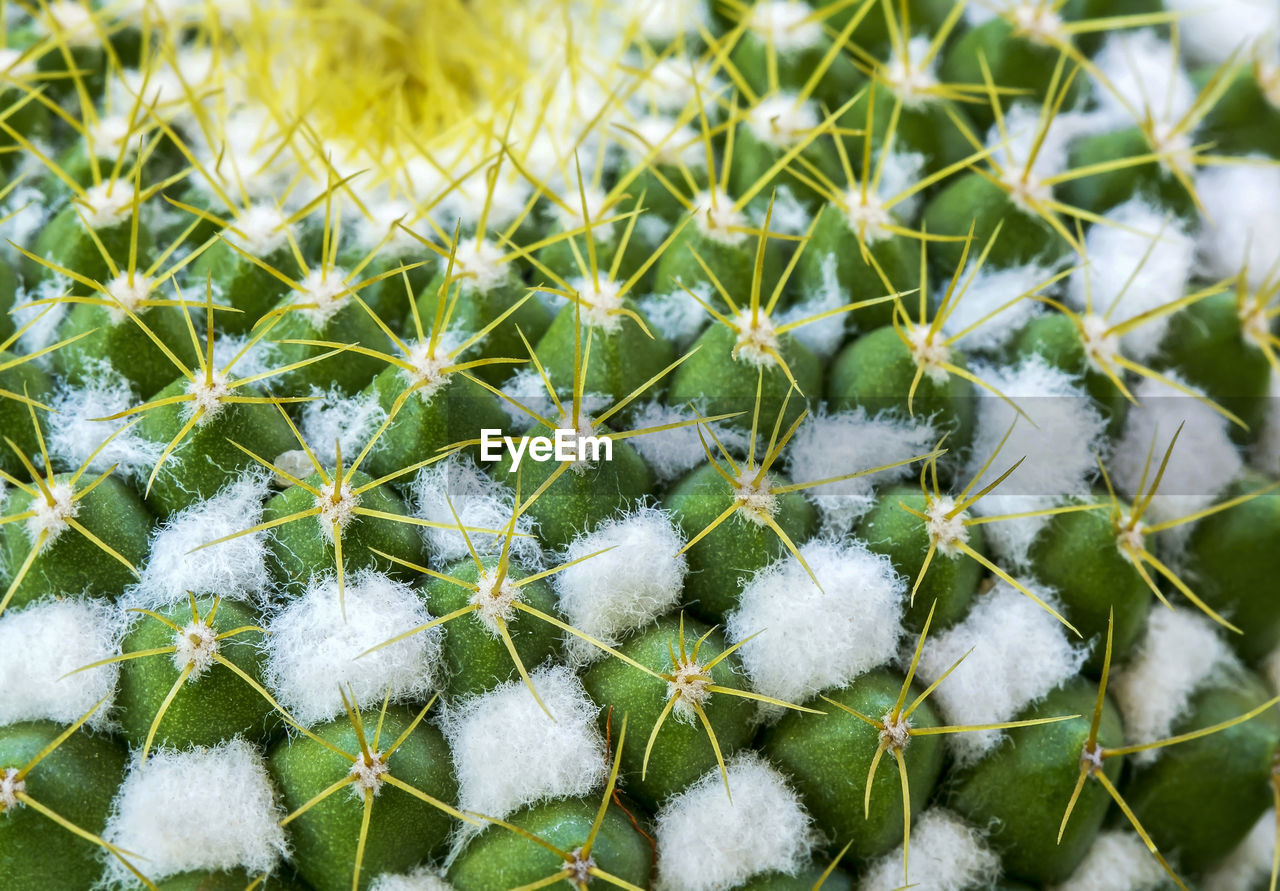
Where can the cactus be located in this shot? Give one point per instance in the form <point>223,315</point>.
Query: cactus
<point>710,444</point>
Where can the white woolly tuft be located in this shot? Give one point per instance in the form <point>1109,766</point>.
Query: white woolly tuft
<point>652,229</point>
<point>672,453</point>
<point>235,568</point>
<point>1266,451</point>
<point>707,842</point>
<point>947,854</point>
<point>677,316</point>
<point>663,20</point>
<point>480,502</point>
<point>790,216</point>
<point>673,84</point>
<point>1135,269</point>
<point>786,24</point>
<point>262,229</point>
<point>1117,861</point>
<point>44,320</point>
<point>23,215</point>
<point>424,878</point>
<point>1180,651</point>
<point>980,13</point>
<point>77,434</point>
<point>1210,34</point>
<point>663,138</point>
<point>259,358</point>
<point>508,754</point>
<point>1020,654</point>
<point>989,290</point>
<point>380,224</point>
<point>41,644</point>
<point>831,445</point>
<point>1059,443</point>
<point>1249,865</point>
<point>824,336</point>
<point>334,417</point>
<point>1270,669</point>
<point>782,119</point>
<point>506,199</point>
<point>900,171</point>
<point>203,809</point>
<point>312,649</point>
<point>624,588</point>
<point>1203,462</point>
<point>809,639</point>
<point>71,22</point>
<point>1240,228</point>
<point>526,387</point>
<point>1022,123</point>
<point>1142,69</point>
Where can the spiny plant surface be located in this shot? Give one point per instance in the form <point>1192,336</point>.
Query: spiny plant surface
<point>915,363</point>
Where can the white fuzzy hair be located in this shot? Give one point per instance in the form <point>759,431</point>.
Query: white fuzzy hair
<point>480,501</point>
<point>202,809</point>
<point>900,171</point>
<point>424,878</point>
<point>1116,861</point>
<point>45,320</point>
<point>1265,455</point>
<point>708,841</point>
<point>666,139</point>
<point>808,639</point>
<point>1203,462</point>
<point>466,202</point>
<point>1020,654</point>
<point>41,644</point>
<point>672,453</point>
<point>508,753</point>
<point>312,650</point>
<point>1249,865</point>
<point>334,417</point>
<point>947,854</point>
<point>990,289</point>
<point>235,568</point>
<point>22,216</point>
<point>625,588</point>
<point>979,13</point>
<point>1135,269</point>
<point>1211,33</point>
<point>1269,668</point>
<point>80,430</point>
<point>1143,77</point>
<point>673,83</point>
<point>526,387</point>
<point>678,316</point>
<point>1058,438</point>
<point>831,445</point>
<point>257,359</point>
<point>1179,652</point>
<point>664,20</point>
<point>790,216</point>
<point>1240,226</point>
<point>1022,124</point>
<point>822,337</point>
